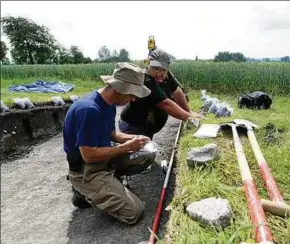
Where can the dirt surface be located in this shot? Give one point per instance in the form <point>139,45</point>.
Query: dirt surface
<point>36,199</point>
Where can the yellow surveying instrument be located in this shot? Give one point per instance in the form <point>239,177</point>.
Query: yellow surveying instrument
<point>151,47</point>
<point>151,44</point>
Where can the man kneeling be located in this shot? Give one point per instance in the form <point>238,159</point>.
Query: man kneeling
<point>95,166</point>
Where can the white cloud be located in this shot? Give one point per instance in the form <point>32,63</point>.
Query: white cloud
<point>184,29</point>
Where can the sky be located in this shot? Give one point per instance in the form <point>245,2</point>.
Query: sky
<point>182,28</point>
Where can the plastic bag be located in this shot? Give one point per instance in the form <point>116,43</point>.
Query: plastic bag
<point>203,95</point>
<point>214,107</point>
<point>4,108</point>
<point>19,102</point>
<point>28,103</point>
<point>224,110</point>
<point>208,102</point>
<point>149,148</point>
<point>58,101</point>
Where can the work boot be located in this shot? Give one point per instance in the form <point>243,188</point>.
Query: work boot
<point>79,201</point>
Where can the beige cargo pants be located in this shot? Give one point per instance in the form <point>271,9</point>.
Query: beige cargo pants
<point>98,183</point>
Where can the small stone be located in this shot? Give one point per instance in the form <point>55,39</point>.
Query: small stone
<point>202,155</point>
<point>13,133</point>
<point>28,103</point>
<point>215,212</point>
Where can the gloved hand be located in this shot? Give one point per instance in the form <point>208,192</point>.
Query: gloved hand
<point>193,120</point>
<point>195,115</point>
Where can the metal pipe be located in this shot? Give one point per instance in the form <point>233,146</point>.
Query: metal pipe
<point>163,192</point>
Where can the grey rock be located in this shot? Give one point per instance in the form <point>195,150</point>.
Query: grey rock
<point>202,155</point>
<point>214,212</point>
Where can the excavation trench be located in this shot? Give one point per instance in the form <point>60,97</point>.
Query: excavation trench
<point>35,195</point>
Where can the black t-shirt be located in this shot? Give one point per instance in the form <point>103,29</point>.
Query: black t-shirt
<point>143,112</point>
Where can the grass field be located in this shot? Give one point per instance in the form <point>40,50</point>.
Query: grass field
<point>222,178</point>
<point>222,78</point>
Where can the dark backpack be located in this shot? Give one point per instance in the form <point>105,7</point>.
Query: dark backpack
<point>255,100</point>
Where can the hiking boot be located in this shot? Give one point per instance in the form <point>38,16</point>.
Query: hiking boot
<point>79,201</point>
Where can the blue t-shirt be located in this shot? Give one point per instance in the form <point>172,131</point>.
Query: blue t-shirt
<point>88,122</point>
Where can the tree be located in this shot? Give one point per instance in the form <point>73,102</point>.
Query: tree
<point>5,61</point>
<point>238,57</point>
<point>3,50</point>
<point>223,57</point>
<point>87,60</point>
<point>285,59</point>
<point>30,42</point>
<point>63,56</point>
<point>76,54</point>
<point>124,55</point>
<point>227,56</point>
<point>104,53</point>
<point>114,53</point>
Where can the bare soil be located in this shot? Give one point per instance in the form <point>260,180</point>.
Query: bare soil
<point>36,199</point>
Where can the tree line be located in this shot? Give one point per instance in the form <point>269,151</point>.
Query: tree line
<point>34,44</point>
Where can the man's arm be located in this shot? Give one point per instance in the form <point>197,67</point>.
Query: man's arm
<point>174,109</point>
<point>180,99</point>
<point>120,137</point>
<point>96,154</point>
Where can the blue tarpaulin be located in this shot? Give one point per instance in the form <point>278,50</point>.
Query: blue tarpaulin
<point>43,86</point>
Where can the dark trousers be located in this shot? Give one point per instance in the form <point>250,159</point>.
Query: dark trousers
<point>131,129</point>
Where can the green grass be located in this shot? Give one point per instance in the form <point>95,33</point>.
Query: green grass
<point>81,87</point>
<point>222,178</point>
<point>223,78</point>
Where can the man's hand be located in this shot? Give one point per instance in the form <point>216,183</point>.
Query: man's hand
<point>195,115</point>
<point>137,143</point>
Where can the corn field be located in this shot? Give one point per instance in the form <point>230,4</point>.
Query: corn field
<point>221,78</point>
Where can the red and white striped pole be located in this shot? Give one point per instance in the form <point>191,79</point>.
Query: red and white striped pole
<point>262,231</point>
<point>163,192</point>
<point>269,180</point>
